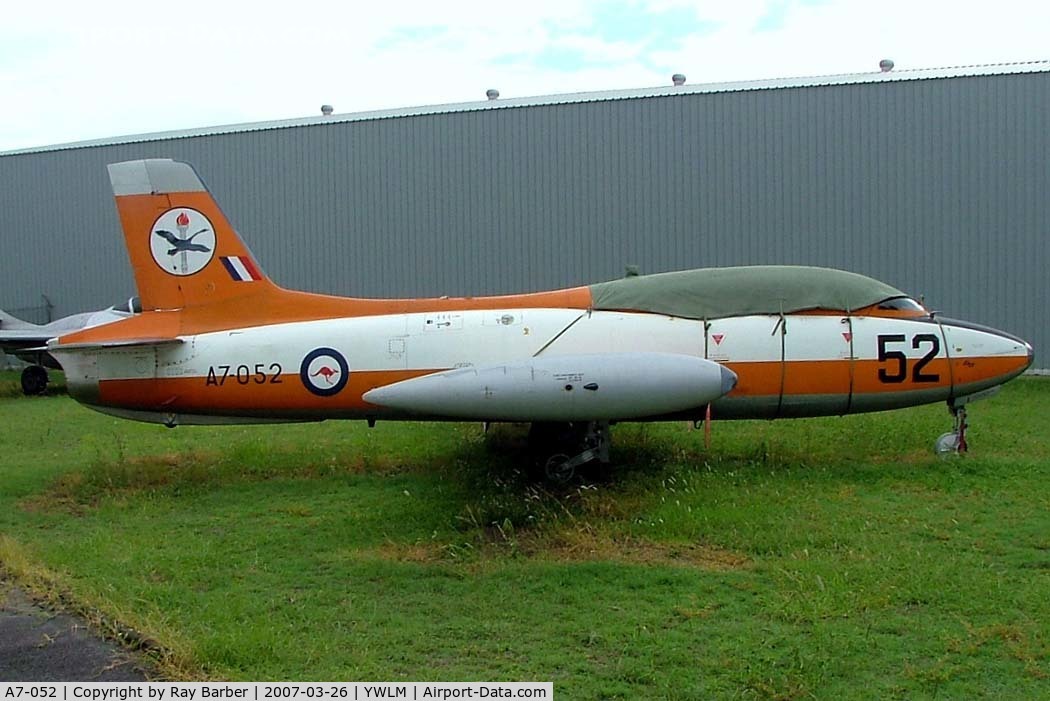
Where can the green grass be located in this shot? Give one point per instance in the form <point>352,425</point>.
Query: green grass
<point>831,558</point>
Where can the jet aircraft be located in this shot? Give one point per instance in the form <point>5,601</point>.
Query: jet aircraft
<point>219,342</point>
<point>27,341</point>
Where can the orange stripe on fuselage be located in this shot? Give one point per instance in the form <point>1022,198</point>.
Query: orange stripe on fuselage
<point>973,370</point>
<point>825,377</point>
<point>194,395</point>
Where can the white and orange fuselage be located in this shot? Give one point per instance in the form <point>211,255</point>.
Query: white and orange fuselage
<point>219,342</point>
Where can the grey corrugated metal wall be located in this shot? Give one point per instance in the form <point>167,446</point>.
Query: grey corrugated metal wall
<point>937,186</point>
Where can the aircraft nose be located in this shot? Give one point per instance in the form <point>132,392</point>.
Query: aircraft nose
<point>1031,355</point>
<point>983,357</point>
<point>729,380</point>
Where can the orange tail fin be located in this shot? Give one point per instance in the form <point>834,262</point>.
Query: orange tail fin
<point>182,248</point>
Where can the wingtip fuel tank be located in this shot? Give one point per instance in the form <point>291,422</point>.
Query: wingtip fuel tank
<point>613,386</point>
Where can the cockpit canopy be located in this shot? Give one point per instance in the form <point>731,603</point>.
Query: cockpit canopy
<point>714,293</point>
<point>902,304</point>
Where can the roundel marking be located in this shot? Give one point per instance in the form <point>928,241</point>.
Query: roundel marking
<point>182,241</point>
<point>324,371</point>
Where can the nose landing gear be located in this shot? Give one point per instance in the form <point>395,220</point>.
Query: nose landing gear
<point>953,442</point>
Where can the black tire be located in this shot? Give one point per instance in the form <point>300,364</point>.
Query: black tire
<point>557,469</point>
<point>34,380</point>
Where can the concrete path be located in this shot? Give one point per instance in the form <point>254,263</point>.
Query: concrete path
<point>38,645</point>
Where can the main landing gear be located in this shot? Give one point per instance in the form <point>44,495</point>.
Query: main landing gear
<point>34,380</point>
<point>561,448</point>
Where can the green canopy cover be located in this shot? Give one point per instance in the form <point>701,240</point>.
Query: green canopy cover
<point>713,293</point>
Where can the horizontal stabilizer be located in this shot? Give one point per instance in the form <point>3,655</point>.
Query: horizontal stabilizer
<point>609,386</point>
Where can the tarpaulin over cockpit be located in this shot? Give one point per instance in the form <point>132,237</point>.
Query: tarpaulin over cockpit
<point>713,293</point>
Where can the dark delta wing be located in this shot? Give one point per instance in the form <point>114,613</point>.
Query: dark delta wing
<point>181,245</point>
<point>168,236</point>
<point>188,245</point>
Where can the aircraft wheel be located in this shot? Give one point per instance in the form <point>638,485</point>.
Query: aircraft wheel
<point>34,380</point>
<point>947,444</point>
<point>558,470</point>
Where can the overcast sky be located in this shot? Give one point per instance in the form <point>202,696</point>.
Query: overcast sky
<point>71,71</point>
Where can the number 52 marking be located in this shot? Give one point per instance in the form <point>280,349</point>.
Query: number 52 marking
<point>897,368</point>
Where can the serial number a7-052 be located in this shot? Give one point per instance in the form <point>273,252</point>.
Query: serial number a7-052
<point>31,692</point>
<point>259,374</point>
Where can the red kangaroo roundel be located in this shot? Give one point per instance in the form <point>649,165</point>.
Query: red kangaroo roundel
<point>324,371</point>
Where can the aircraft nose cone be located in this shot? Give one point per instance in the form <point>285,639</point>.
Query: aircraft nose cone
<point>729,380</point>
<point>983,357</point>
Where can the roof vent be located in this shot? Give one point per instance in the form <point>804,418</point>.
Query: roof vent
<point>327,110</point>
<point>492,94</point>
<point>885,65</point>
<point>678,79</point>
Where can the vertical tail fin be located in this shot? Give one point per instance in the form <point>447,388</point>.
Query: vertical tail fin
<point>183,250</point>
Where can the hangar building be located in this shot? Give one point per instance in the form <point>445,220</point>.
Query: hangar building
<point>934,181</point>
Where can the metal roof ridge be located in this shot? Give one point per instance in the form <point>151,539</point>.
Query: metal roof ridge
<point>896,75</point>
